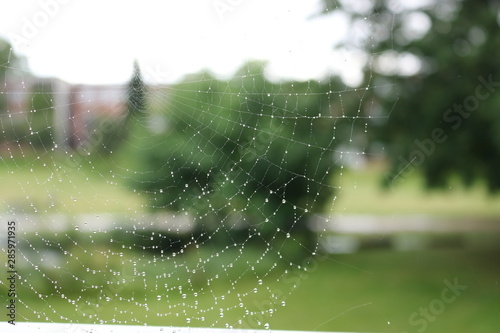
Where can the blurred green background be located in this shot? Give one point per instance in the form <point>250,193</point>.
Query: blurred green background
<point>419,141</point>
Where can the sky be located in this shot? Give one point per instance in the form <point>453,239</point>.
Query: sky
<point>96,42</point>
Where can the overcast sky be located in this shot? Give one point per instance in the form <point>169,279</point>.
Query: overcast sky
<point>95,41</point>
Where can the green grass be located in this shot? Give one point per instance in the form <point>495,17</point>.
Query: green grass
<point>360,193</point>
<point>374,291</point>
<point>50,185</point>
<point>394,285</point>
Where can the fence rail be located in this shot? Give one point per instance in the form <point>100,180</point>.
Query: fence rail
<point>90,328</point>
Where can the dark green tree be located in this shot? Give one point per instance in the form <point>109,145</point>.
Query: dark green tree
<point>248,158</point>
<point>5,53</point>
<point>13,72</point>
<point>136,94</point>
<point>442,116</point>
<point>135,110</point>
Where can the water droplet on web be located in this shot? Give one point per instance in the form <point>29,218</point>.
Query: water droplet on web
<point>266,326</point>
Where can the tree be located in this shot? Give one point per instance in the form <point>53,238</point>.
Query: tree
<point>13,76</point>
<point>136,92</point>
<point>443,116</point>
<point>135,109</point>
<point>5,52</point>
<point>248,158</point>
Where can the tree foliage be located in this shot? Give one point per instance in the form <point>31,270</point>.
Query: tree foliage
<point>444,118</point>
<point>136,93</point>
<point>5,52</point>
<point>135,109</point>
<point>245,156</point>
<point>27,121</point>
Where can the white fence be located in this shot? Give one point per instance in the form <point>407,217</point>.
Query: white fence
<point>88,328</point>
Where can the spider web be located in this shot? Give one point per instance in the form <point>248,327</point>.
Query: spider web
<point>194,238</point>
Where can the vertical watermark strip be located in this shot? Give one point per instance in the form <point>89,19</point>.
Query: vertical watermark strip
<point>11,272</point>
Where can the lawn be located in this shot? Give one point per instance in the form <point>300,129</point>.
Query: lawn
<point>371,291</point>
<point>50,185</point>
<point>377,291</point>
<point>360,192</point>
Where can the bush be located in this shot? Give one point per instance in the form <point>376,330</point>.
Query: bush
<point>245,157</point>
